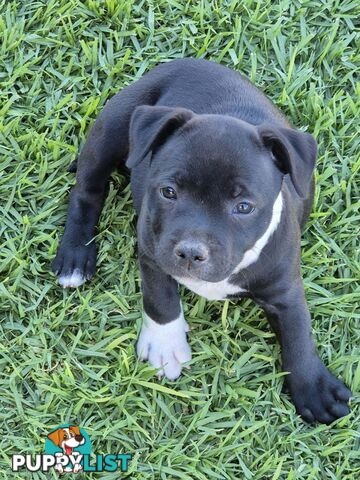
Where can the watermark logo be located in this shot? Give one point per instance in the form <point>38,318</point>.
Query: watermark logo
<point>68,444</point>
<point>68,449</point>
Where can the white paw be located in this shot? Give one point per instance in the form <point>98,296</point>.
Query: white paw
<point>164,346</point>
<point>75,279</point>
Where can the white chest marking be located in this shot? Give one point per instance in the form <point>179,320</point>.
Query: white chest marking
<point>210,290</point>
<point>251,255</point>
<point>220,290</point>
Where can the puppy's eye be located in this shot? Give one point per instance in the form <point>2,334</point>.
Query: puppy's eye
<point>243,207</point>
<point>168,192</point>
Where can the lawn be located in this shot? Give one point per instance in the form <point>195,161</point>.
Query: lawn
<point>68,355</point>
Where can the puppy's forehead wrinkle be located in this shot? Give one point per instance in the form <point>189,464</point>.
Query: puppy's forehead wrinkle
<point>215,184</point>
<point>208,130</point>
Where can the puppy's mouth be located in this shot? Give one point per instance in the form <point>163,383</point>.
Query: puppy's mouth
<point>199,278</point>
<point>68,450</point>
<point>211,275</point>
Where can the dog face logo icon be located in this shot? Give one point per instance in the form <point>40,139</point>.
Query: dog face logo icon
<point>68,443</point>
<point>67,438</point>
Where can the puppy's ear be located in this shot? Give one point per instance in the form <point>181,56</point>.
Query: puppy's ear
<point>56,437</point>
<point>75,429</point>
<point>294,153</point>
<point>150,127</point>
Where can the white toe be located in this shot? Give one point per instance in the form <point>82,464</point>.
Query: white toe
<point>142,347</point>
<point>75,279</point>
<point>155,358</point>
<point>172,369</point>
<point>184,354</point>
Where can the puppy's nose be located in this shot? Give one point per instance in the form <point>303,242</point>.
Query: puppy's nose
<point>192,251</point>
<point>78,438</point>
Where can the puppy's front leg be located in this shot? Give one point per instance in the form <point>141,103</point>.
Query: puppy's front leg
<point>316,393</point>
<point>76,257</point>
<point>162,339</point>
<point>106,148</point>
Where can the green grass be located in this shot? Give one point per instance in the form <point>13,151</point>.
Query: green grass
<point>69,355</point>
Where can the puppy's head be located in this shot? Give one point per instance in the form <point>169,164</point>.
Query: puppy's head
<point>212,185</point>
<point>67,438</point>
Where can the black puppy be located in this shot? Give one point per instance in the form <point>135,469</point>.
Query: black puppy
<point>222,185</point>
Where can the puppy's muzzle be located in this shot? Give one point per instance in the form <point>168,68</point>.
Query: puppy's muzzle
<point>191,253</point>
